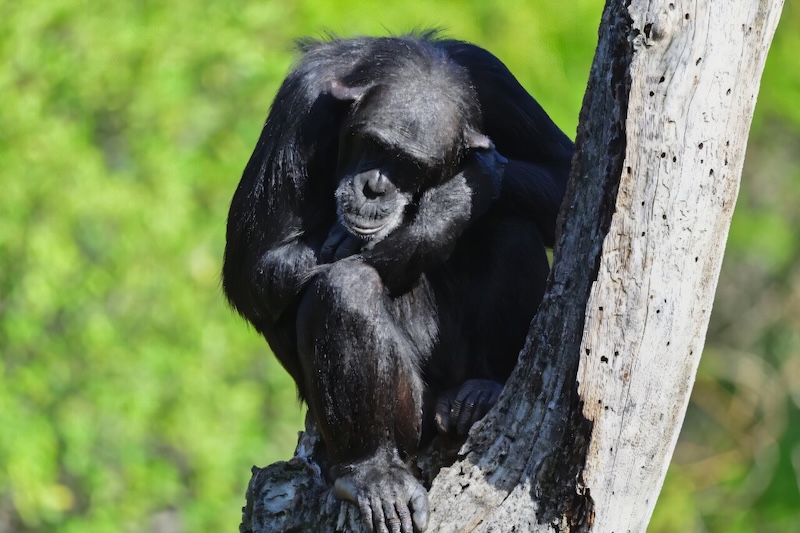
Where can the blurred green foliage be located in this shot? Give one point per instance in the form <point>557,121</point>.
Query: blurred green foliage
<point>132,399</point>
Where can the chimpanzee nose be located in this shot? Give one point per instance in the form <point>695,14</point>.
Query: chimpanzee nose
<point>373,184</point>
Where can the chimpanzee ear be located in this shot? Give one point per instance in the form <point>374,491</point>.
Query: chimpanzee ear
<point>340,91</point>
<point>476,140</point>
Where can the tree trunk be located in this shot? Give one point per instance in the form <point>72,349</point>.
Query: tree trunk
<point>582,436</point>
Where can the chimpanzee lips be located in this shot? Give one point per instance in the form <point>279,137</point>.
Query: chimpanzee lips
<point>365,226</point>
<point>372,220</point>
<point>367,231</point>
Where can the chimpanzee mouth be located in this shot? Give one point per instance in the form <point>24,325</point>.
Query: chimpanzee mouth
<point>366,231</point>
<point>366,222</point>
<point>370,221</point>
<point>369,228</point>
<point>365,226</point>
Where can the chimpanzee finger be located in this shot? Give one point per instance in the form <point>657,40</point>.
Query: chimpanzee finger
<point>485,404</point>
<point>347,247</point>
<point>456,407</point>
<point>378,518</point>
<point>442,414</point>
<point>464,401</point>
<point>492,388</point>
<point>406,525</point>
<point>366,513</point>
<point>468,415</point>
<point>336,235</point>
<point>327,251</point>
<point>486,168</point>
<point>390,516</point>
<point>494,396</point>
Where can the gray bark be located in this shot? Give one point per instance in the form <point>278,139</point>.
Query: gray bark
<point>582,436</point>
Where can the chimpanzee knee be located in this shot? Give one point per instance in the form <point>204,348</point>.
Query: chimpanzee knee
<point>354,359</point>
<point>340,300</point>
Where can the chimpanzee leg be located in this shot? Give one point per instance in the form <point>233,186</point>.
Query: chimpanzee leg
<point>503,267</point>
<point>361,367</point>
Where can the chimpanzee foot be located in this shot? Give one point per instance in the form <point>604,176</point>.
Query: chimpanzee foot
<point>390,498</point>
<point>457,410</point>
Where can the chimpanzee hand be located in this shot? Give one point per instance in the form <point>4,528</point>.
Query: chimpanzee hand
<point>339,244</point>
<point>443,213</point>
<point>484,174</point>
<point>458,410</point>
<point>390,498</point>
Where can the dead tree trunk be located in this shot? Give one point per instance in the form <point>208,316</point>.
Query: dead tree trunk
<point>584,431</point>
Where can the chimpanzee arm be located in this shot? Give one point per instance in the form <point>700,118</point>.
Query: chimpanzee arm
<point>513,119</point>
<point>443,213</point>
<point>540,153</point>
<point>284,205</point>
<point>534,192</point>
<point>267,260</point>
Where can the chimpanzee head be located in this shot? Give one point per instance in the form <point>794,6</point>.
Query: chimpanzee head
<point>412,119</point>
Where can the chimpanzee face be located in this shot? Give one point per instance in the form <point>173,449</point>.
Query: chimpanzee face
<point>392,148</point>
<point>376,183</point>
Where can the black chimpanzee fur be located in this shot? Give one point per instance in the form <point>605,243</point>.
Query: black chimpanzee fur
<point>388,239</point>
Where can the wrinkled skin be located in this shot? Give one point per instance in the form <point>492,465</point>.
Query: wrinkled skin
<point>389,498</point>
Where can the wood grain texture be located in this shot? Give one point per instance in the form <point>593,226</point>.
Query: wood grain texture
<point>694,79</point>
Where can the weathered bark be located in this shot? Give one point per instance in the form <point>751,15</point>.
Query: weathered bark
<point>583,433</point>
<point>695,76</point>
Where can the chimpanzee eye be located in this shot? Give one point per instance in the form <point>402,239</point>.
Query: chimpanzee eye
<point>358,150</point>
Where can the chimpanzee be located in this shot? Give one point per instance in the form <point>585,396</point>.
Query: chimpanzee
<point>388,239</point>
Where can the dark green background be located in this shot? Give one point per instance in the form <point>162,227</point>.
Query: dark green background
<point>133,400</point>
